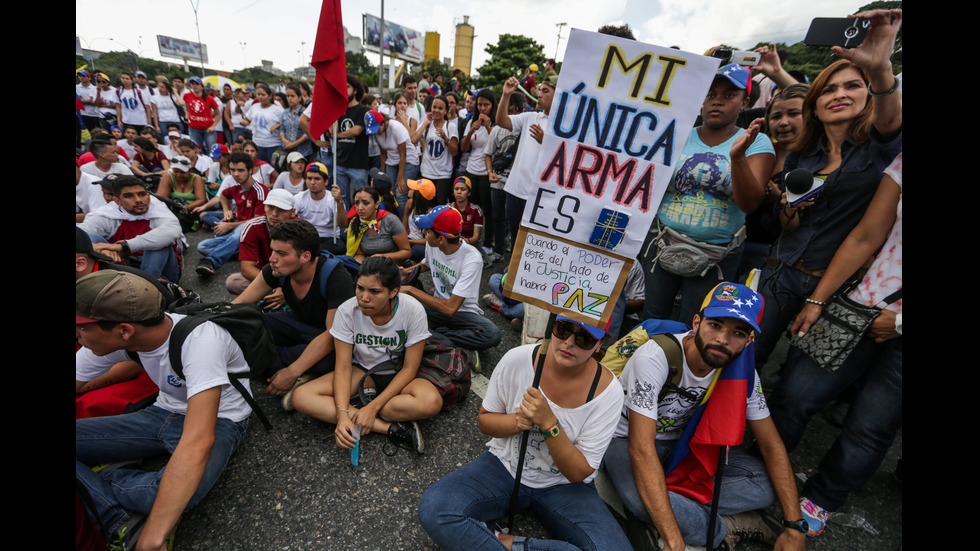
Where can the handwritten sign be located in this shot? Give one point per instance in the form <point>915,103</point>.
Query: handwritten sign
<point>560,275</point>
<point>619,120</point>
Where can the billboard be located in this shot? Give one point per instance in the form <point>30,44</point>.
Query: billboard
<point>399,41</point>
<point>182,49</point>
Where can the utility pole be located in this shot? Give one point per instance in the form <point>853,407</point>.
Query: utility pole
<point>200,47</point>
<point>559,25</point>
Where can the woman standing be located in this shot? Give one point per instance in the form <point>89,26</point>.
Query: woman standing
<point>440,144</point>
<point>852,130</point>
<point>474,139</point>
<point>289,131</point>
<point>412,172</point>
<point>377,314</point>
<point>166,107</point>
<point>263,118</point>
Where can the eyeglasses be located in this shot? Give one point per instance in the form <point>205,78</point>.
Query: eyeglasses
<point>564,329</point>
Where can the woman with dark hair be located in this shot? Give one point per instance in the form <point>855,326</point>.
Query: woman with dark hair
<point>439,144</point>
<point>374,231</point>
<point>263,119</point>
<point>400,103</point>
<point>381,332</point>
<point>166,107</point>
<point>475,137</point>
<point>291,134</point>
<point>262,171</point>
<point>148,159</point>
<point>851,131</point>
<point>183,187</point>
<point>421,201</point>
<point>374,152</point>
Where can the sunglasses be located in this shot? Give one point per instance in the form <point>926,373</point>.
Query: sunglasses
<point>564,329</point>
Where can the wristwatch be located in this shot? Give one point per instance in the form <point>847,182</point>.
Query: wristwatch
<point>553,431</point>
<point>800,525</point>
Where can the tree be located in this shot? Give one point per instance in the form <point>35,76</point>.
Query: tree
<point>361,67</point>
<point>509,57</point>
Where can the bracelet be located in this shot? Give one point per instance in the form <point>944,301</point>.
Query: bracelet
<point>817,302</point>
<point>888,92</point>
<point>347,411</point>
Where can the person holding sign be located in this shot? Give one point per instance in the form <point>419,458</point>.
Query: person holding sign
<point>571,417</point>
<point>665,416</point>
<point>454,312</point>
<point>720,177</point>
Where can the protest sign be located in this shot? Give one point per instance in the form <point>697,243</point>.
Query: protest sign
<point>619,120</point>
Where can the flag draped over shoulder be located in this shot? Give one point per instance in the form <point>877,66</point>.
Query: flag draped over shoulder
<point>719,420</point>
<point>330,61</point>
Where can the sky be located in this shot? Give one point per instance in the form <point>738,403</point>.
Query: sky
<point>240,33</point>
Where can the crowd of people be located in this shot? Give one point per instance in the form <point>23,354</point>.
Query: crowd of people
<point>435,180</point>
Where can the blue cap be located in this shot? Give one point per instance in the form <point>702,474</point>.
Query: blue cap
<point>734,300</point>
<point>593,330</point>
<point>737,75</point>
<point>444,220</point>
<point>372,122</point>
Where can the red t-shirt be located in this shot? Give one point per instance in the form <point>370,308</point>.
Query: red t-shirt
<point>250,202</point>
<point>255,243</point>
<point>199,110</point>
<point>472,217</point>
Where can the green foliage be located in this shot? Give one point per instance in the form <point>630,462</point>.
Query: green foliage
<point>250,75</point>
<point>113,63</point>
<point>361,67</point>
<point>509,57</point>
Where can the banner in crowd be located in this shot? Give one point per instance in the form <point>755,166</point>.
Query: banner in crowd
<point>182,49</point>
<point>619,120</point>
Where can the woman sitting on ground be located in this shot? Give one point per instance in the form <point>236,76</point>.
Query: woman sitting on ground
<point>375,231</point>
<point>363,330</point>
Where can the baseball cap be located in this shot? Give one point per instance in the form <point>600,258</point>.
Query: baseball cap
<point>281,198</point>
<point>108,295</point>
<point>444,220</point>
<point>737,75</point>
<point>534,67</point>
<point>551,81</point>
<point>194,79</point>
<point>318,167</point>
<point>593,330</point>
<point>83,72</point>
<point>425,186</point>
<point>372,122</point>
<point>734,300</point>
<point>83,245</point>
<point>217,150</point>
<point>381,181</point>
<point>295,156</point>
<point>181,163</point>
<point>140,74</point>
<point>102,76</point>
<point>465,180</point>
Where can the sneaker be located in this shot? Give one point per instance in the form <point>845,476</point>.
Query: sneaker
<point>407,435</point>
<point>486,250</point>
<point>643,536</point>
<point>205,268</point>
<point>754,526</point>
<point>815,515</point>
<point>493,301</point>
<point>495,256</point>
<point>475,356</point>
<point>517,324</point>
<point>125,538</point>
<point>287,400</point>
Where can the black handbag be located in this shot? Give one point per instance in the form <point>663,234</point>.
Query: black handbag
<point>841,324</point>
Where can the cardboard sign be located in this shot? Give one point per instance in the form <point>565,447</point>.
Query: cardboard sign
<point>565,277</point>
<point>619,120</point>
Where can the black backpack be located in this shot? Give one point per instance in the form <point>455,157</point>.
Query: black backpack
<point>503,159</point>
<point>247,326</point>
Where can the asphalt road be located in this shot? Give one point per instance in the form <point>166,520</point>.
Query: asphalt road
<point>292,488</point>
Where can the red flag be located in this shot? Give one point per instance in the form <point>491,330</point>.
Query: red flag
<point>330,61</point>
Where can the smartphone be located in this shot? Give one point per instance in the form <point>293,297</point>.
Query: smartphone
<point>846,32</point>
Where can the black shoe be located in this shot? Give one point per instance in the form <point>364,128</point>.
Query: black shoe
<point>406,436</point>
<point>641,535</point>
<point>205,268</point>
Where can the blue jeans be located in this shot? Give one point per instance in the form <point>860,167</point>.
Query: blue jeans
<point>292,337</point>
<point>453,509</point>
<point>872,420</point>
<point>745,487</point>
<point>661,286</point>
<point>145,433</point>
<point>265,153</point>
<point>465,330</point>
<point>159,263</point>
<point>509,310</point>
<point>412,172</point>
<point>221,248</point>
<point>350,180</point>
<point>203,138</point>
<point>784,297</point>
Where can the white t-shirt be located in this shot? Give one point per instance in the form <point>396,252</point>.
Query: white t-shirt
<point>521,182</point>
<point>236,117</point>
<point>209,354</point>
<point>166,109</point>
<point>456,274</point>
<point>885,275</point>
<point>374,344</point>
<point>388,141</point>
<point>116,168</point>
<point>108,98</point>
<point>436,162</point>
<point>589,426</point>
<point>646,373</point>
<point>477,162</point>
<point>88,193</point>
<point>319,213</point>
<point>125,146</point>
<point>88,93</point>
<point>261,121</point>
<point>133,107</point>
<point>283,182</point>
